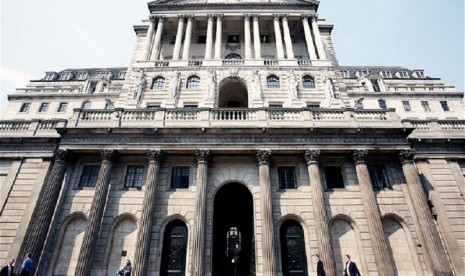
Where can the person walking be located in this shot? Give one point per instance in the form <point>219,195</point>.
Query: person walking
<point>27,266</point>
<point>126,269</point>
<point>8,270</point>
<point>320,270</point>
<point>351,268</point>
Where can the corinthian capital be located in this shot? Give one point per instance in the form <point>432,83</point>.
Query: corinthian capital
<point>108,155</point>
<point>359,156</point>
<point>312,156</point>
<point>62,155</point>
<point>202,156</point>
<point>155,155</point>
<point>264,157</point>
<point>406,156</point>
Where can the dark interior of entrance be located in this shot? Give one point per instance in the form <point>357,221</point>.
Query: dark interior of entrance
<point>233,94</point>
<point>233,237</point>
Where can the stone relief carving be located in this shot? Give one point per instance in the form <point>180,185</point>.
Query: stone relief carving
<point>141,84</point>
<point>257,85</point>
<point>212,84</point>
<point>359,156</point>
<point>155,155</point>
<point>264,157</point>
<point>329,85</point>
<point>312,156</point>
<point>175,83</point>
<point>202,156</point>
<point>293,84</point>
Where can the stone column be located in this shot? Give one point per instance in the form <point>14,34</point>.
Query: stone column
<point>187,39</point>
<point>179,33</point>
<point>148,209</point>
<point>266,211</point>
<point>278,37</point>
<point>247,38</point>
<point>157,43</point>
<point>43,213</point>
<point>198,245</point>
<point>308,38</point>
<point>219,33</point>
<point>149,38</point>
<point>86,255</point>
<point>383,258</point>
<point>287,39</point>
<point>318,40</point>
<point>323,235</point>
<point>208,47</point>
<point>427,225</point>
<point>256,38</point>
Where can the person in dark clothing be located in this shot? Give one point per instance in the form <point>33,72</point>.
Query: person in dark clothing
<point>8,270</point>
<point>320,270</point>
<point>351,268</point>
<point>27,266</point>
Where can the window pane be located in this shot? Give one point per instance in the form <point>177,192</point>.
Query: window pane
<point>180,177</point>
<point>89,176</point>
<point>406,105</point>
<point>25,107</point>
<point>158,83</point>
<point>134,177</point>
<point>286,177</point>
<point>308,82</point>
<point>193,82</point>
<point>272,82</point>
<point>445,106</point>
<point>333,175</point>
<point>379,177</point>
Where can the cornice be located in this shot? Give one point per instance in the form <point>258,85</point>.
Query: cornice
<point>406,93</point>
<point>154,7</point>
<point>61,95</point>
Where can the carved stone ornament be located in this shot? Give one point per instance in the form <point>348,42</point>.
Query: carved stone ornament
<point>264,157</point>
<point>312,156</point>
<point>202,155</point>
<point>155,155</point>
<point>406,156</point>
<point>107,155</point>
<point>62,155</point>
<point>359,156</point>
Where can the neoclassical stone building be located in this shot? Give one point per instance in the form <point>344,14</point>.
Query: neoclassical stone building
<point>234,126</point>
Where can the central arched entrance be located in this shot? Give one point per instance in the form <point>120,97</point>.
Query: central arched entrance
<point>233,237</point>
<point>233,94</point>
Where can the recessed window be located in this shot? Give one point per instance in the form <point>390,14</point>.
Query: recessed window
<point>382,104</point>
<point>158,83</point>
<point>419,74</point>
<point>426,107</point>
<point>92,87</point>
<point>50,76</point>
<point>362,73</point>
<point>379,177</point>
<point>233,38</point>
<point>406,105</point>
<point>193,82</point>
<point>62,107</point>
<point>134,177</point>
<point>403,74</point>
<point>233,57</point>
<point>25,108</point>
<point>86,105</point>
<point>445,106</point>
<point>122,75</point>
<point>173,40</point>
<point>345,74</point>
<point>386,74</point>
<point>66,76</point>
<point>308,82</point>
<point>191,105</point>
<point>358,105</point>
<point>264,38</point>
<point>82,75</point>
<point>333,176</point>
<point>89,176</point>
<point>313,105</point>
<point>286,178</point>
<point>153,106</point>
<point>375,85</point>
<point>272,81</point>
<point>202,39</point>
<point>180,177</point>
<point>43,107</point>
<point>275,105</point>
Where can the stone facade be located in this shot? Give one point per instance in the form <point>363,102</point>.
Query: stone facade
<point>234,124</point>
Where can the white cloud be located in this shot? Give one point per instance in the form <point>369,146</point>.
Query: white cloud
<point>85,37</point>
<point>14,77</point>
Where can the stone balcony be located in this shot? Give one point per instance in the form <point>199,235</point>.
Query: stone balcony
<point>436,129</point>
<point>28,128</point>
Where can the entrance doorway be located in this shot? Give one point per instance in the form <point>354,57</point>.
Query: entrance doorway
<point>233,238</point>
<point>233,94</point>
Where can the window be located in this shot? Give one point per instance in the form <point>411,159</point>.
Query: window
<point>180,177</point>
<point>92,87</point>
<point>286,178</point>
<point>134,177</point>
<point>275,105</point>
<point>50,76</point>
<point>345,74</point>
<point>193,82</point>
<point>382,104</point>
<point>158,83</point>
<point>264,39</point>
<point>425,106</point>
<point>386,74</point>
<point>191,105</point>
<point>375,85</point>
<point>82,75</point>
<point>122,75</point>
<point>43,107</point>
<point>272,81</point>
<point>403,74</point>
<point>358,104</point>
<point>419,74</point>
<point>62,107</point>
<point>308,82</point>
<point>233,38</point>
<point>86,105</point>
<point>202,39</point>
<point>109,105</point>
<point>173,40</point>
<point>233,57</point>
<point>89,176</point>
<point>445,106</point>
<point>25,108</point>
<point>313,105</point>
<point>362,73</point>
<point>66,76</point>
<point>333,175</point>
<point>379,177</point>
<point>153,106</point>
<point>406,105</point>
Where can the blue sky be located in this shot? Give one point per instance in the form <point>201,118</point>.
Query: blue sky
<point>52,35</point>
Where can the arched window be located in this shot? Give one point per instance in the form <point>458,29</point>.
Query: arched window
<point>308,82</point>
<point>233,57</point>
<point>86,105</point>
<point>173,259</point>
<point>272,81</point>
<point>293,254</point>
<point>158,83</point>
<point>382,104</point>
<point>193,82</point>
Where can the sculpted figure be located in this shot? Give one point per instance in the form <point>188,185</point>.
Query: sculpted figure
<point>293,84</point>
<point>329,87</point>
<point>212,84</point>
<point>141,84</point>
<point>257,85</point>
<point>175,82</point>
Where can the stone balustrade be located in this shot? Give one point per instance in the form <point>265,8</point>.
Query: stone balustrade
<point>446,129</point>
<point>20,128</point>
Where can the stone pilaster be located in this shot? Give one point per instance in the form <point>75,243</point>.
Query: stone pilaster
<point>383,258</point>
<point>323,235</point>
<point>178,42</point>
<point>36,234</point>
<point>157,41</point>
<point>148,39</point>
<point>287,39</point>
<point>256,38</point>
<point>148,208</point>
<point>318,40</point>
<point>219,32</point>
<point>187,39</point>
<point>247,38</point>
<point>86,254</point>
<point>308,38</point>
<point>266,211</point>
<point>209,44</point>
<point>198,245</point>
<point>430,234</point>
<point>278,38</point>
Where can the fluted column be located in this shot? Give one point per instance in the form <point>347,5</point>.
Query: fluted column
<point>278,38</point>
<point>178,42</point>
<point>86,254</point>
<point>219,33</point>
<point>323,235</point>
<point>383,258</point>
<point>148,209</point>
<point>318,40</point>
<point>198,246</point>
<point>247,38</point>
<point>43,213</point>
<point>157,41</point>
<point>287,39</point>
<point>149,38</point>
<point>208,47</point>
<point>430,233</point>
<point>266,211</point>
<point>308,38</point>
<point>256,38</point>
<point>187,39</point>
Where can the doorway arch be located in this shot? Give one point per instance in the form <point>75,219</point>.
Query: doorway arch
<point>173,258</point>
<point>233,93</point>
<point>293,255</point>
<point>233,228</point>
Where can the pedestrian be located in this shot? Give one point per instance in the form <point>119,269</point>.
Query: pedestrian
<point>320,270</point>
<point>126,269</point>
<point>351,268</point>
<point>8,270</point>
<point>27,265</point>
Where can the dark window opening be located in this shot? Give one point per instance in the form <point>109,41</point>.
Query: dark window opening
<point>180,177</point>
<point>202,39</point>
<point>376,86</point>
<point>286,177</point>
<point>445,106</point>
<point>379,177</point>
<point>334,179</point>
<point>233,38</point>
<point>134,177</point>
<point>25,107</point>
<point>265,39</point>
<point>89,175</point>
